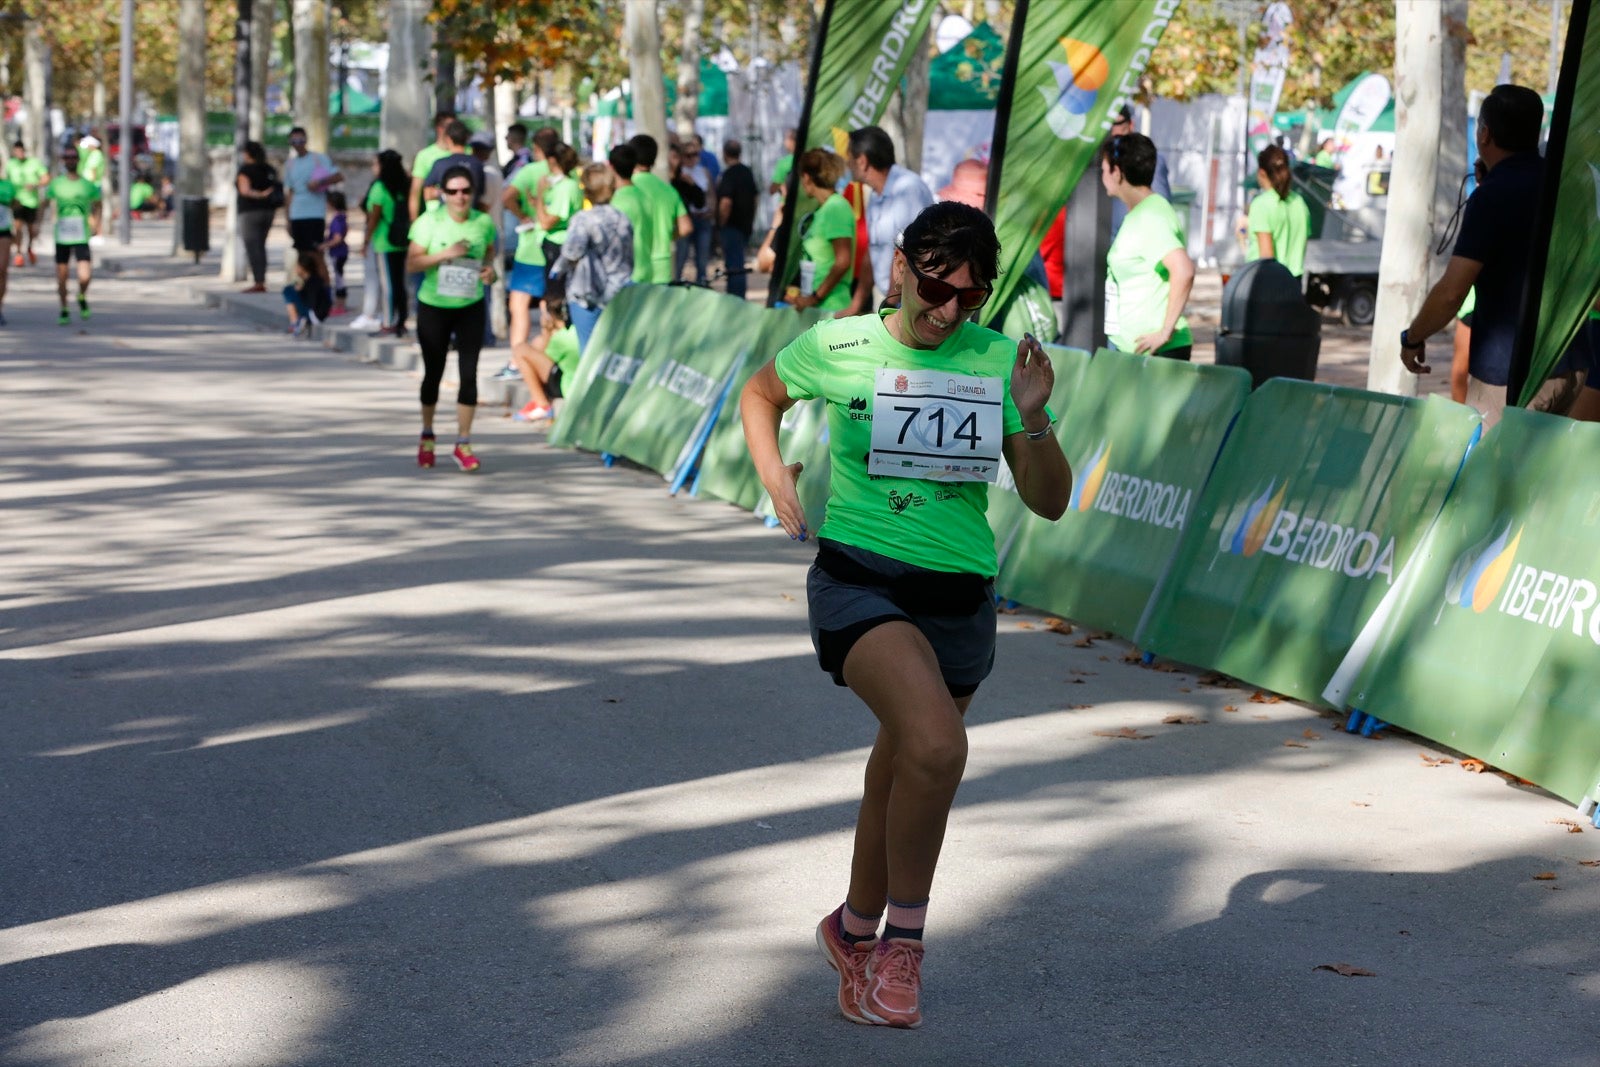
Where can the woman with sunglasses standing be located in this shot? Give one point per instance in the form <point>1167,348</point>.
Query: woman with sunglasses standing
<point>455,248</point>
<point>827,237</point>
<point>922,405</point>
<point>1148,272</point>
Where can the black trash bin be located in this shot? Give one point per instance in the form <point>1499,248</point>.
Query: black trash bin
<point>1267,326</point>
<point>196,216</point>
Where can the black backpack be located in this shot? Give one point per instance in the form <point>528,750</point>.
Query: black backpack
<point>399,233</point>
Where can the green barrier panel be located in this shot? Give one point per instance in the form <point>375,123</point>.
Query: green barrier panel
<point>1141,435</point>
<point>1319,499</point>
<point>1030,311</point>
<point>686,366</point>
<point>635,320</point>
<point>1489,643</point>
<point>725,468</point>
<point>803,438</point>
<point>1006,509</point>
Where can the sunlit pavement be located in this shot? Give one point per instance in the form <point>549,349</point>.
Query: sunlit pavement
<point>314,758</point>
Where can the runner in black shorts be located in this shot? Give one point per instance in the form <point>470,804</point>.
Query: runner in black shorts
<point>8,199</point>
<point>901,594</point>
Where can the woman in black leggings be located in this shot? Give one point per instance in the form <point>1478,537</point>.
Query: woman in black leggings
<point>385,200</point>
<point>454,248</point>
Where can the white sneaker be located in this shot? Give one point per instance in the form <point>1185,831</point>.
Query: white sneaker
<point>363,322</point>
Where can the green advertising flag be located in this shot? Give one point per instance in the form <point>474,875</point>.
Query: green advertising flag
<point>1571,271</point>
<point>863,47</point>
<point>1141,435</point>
<point>1491,643</point>
<point>1316,504</point>
<point>1071,63</point>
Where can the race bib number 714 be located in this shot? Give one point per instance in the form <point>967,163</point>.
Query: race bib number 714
<point>942,427</point>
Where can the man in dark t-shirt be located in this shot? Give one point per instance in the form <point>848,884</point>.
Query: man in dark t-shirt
<point>456,136</point>
<point>736,213</point>
<point>1493,253</point>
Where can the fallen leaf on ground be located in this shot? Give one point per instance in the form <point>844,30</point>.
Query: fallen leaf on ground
<point>1184,689</point>
<point>1311,735</point>
<point>1213,678</point>
<point>1183,720</point>
<point>1105,659</point>
<point>1513,779</point>
<point>1230,707</point>
<point>1360,804</point>
<point>1126,733</point>
<point>1263,718</point>
<point>1295,744</point>
<point>613,700</point>
<point>1084,642</point>
<point>1259,697</point>
<point>1474,766</point>
<point>1545,876</point>
<point>1079,707</point>
<point>1002,609</point>
<point>1132,657</point>
<point>1074,681</point>
<point>1084,674</point>
<point>1433,761</point>
<point>786,596</point>
<point>1346,969</point>
<point>1060,626</point>
<point>1166,668</point>
<point>1024,625</point>
<point>1589,863</point>
<point>1572,826</point>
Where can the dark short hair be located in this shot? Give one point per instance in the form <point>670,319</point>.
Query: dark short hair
<point>949,233</point>
<point>336,200</point>
<point>875,144</point>
<point>623,160</point>
<point>732,149</point>
<point>546,138</point>
<point>440,118</point>
<point>644,146</point>
<point>1512,115</point>
<point>301,130</point>
<point>459,170</point>
<point>519,131</point>
<point>254,152</point>
<point>456,132</point>
<point>1134,155</point>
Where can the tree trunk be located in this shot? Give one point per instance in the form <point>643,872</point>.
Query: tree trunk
<point>311,71</point>
<point>1452,125</point>
<point>444,78</point>
<point>687,108</point>
<point>503,101</point>
<point>260,65</point>
<point>642,33</point>
<point>244,26</point>
<point>406,124</point>
<point>907,114</point>
<point>193,166</point>
<point>1408,227</point>
<point>36,91</point>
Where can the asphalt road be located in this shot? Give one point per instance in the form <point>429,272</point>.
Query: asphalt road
<point>313,758</point>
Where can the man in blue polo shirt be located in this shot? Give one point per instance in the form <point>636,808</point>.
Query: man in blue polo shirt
<point>1493,253</point>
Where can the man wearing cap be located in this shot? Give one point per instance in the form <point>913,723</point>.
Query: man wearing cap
<point>1122,123</point>
<point>92,164</point>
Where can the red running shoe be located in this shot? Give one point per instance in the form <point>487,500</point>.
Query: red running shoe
<point>893,989</point>
<point>849,960</point>
<point>465,459</point>
<point>425,452</point>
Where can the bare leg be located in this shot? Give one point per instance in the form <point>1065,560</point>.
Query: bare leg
<point>521,318</point>
<point>84,268</point>
<point>61,284</point>
<point>535,367</point>
<point>464,413</point>
<point>914,770</point>
<point>5,267</point>
<point>427,419</point>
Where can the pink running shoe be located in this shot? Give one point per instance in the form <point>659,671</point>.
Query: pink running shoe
<point>425,452</point>
<point>465,459</point>
<point>849,960</point>
<point>893,990</point>
<point>532,413</point>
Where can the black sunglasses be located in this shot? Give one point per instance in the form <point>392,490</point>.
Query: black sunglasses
<point>458,190</point>
<point>936,292</point>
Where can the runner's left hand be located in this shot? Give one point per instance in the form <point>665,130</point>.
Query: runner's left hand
<point>1149,342</point>
<point>1032,377</point>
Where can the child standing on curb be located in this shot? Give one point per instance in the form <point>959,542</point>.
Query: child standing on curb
<point>337,248</point>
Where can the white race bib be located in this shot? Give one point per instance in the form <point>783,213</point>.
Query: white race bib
<point>5,216</point>
<point>458,282</point>
<point>939,426</point>
<point>71,230</point>
<point>808,278</point>
<point>1113,316</point>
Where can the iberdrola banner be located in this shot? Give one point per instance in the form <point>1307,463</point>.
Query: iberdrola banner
<point>863,47</point>
<point>1571,270</point>
<point>1070,63</point>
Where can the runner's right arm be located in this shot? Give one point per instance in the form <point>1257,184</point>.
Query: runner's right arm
<point>761,407</point>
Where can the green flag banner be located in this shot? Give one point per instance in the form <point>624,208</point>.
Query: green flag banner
<point>1571,270</point>
<point>1141,435</point>
<point>1491,642</point>
<point>725,468</point>
<point>863,47</point>
<point>1006,509</point>
<point>609,364</point>
<point>1071,62</point>
<point>687,362</point>
<point>1320,497</point>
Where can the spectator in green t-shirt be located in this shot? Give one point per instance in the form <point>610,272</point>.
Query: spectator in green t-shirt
<point>827,237</point>
<point>1280,222</point>
<point>423,162</point>
<point>1148,271</point>
<point>30,177</point>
